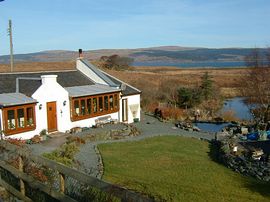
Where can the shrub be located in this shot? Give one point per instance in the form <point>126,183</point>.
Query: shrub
<point>75,139</point>
<point>43,132</point>
<point>65,154</point>
<point>173,113</point>
<point>229,116</point>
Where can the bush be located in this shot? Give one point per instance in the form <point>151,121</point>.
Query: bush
<point>169,113</point>
<point>65,154</point>
<point>229,116</point>
<point>116,62</point>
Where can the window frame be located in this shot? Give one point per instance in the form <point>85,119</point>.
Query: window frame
<point>17,129</point>
<point>104,111</point>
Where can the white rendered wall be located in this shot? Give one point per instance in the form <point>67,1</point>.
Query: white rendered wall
<point>88,72</point>
<point>131,100</point>
<point>51,91</point>
<point>91,121</point>
<point>1,120</point>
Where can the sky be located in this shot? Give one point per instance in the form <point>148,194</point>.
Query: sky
<point>40,25</point>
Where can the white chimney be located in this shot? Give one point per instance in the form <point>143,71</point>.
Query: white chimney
<point>48,79</point>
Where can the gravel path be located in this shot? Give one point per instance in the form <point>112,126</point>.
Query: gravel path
<point>49,145</point>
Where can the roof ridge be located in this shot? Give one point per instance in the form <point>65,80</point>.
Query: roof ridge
<point>38,72</point>
<point>99,73</point>
<point>121,81</point>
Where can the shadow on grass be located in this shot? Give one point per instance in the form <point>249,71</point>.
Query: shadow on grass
<point>215,151</point>
<point>258,186</point>
<point>262,187</point>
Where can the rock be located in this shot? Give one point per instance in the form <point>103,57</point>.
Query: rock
<point>260,173</point>
<point>266,178</point>
<point>244,130</point>
<point>75,130</point>
<point>195,128</point>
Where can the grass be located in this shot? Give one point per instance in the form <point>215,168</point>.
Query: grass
<point>175,168</point>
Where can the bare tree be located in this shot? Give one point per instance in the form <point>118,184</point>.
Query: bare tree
<point>256,85</point>
<point>168,91</point>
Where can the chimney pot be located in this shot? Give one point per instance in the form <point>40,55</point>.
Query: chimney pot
<point>80,53</point>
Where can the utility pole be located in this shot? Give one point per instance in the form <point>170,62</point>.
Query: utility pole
<point>11,45</point>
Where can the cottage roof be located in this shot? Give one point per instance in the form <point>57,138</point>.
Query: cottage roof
<point>96,89</point>
<point>70,78</point>
<point>112,81</point>
<point>12,99</point>
<point>28,87</point>
<point>99,73</point>
<point>126,88</point>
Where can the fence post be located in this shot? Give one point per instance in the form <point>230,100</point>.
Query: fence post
<point>62,182</point>
<point>22,186</point>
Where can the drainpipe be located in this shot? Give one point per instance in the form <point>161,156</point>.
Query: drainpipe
<point>24,78</point>
<point>1,131</point>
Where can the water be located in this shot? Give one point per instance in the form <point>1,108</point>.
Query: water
<point>210,127</point>
<point>239,107</point>
<point>235,104</point>
<point>202,64</point>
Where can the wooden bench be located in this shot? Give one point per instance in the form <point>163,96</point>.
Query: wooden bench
<point>103,120</point>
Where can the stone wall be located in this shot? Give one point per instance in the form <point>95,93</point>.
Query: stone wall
<point>248,167</point>
<point>242,162</point>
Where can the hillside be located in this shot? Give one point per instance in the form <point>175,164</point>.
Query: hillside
<point>164,54</point>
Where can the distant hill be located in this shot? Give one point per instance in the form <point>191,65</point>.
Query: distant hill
<point>162,54</point>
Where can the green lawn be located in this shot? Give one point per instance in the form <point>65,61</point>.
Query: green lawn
<point>177,169</point>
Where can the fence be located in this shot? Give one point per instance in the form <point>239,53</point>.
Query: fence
<point>18,180</point>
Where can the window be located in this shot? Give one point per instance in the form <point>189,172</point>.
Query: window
<point>83,109</point>
<point>111,102</point>
<point>116,102</point>
<point>95,105</point>
<point>76,107</point>
<point>19,119</point>
<point>91,106</point>
<point>29,116</point>
<point>20,116</point>
<point>106,103</point>
<point>11,119</point>
<point>100,104</point>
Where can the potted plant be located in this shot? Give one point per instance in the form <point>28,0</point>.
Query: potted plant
<point>43,134</point>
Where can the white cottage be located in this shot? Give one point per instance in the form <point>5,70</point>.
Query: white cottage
<point>61,100</point>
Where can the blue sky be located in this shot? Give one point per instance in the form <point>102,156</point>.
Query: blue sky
<point>95,24</point>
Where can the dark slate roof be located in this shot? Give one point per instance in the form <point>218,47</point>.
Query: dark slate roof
<point>129,90</point>
<point>28,87</point>
<point>104,77</point>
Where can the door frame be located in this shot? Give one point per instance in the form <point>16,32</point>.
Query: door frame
<point>125,110</point>
<point>55,114</point>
